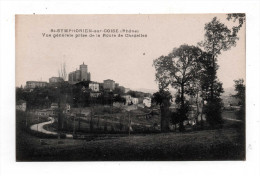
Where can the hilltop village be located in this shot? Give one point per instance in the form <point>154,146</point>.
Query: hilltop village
<point>82,89</point>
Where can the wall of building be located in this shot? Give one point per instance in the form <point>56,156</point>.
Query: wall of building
<point>94,86</point>
<point>55,79</point>
<point>33,84</point>
<point>109,84</point>
<point>83,72</point>
<point>79,75</point>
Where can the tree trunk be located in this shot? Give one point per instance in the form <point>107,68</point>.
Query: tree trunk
<point>164,120</point>
<point>201,118</point>
<point>213,74</point>
<point>197,104</point>
<point>79,120</point>
<point>181,126</point>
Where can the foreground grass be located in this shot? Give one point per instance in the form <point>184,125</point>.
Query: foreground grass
<point>222,144</point>
<point>219,144</point>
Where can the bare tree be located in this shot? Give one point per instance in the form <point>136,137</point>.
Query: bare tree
<point>62,71</point>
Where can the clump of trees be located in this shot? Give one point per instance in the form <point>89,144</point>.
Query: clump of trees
<point>179,69</point>
<point>138,94</point>
<point>192,71</point>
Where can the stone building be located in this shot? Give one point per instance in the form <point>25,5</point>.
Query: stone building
<point>94,86</point>
<point>109,84</point>
<point>134,100</point>
<point>55,80</point>
<point>79,75</point>
<point>34,84</point>
<point>147,101</point>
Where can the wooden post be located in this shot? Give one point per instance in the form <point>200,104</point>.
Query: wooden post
<point>74,125</point>
<point>37,123</point>
<point>129,123</point>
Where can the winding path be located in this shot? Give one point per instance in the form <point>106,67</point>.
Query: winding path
<point>39,128</point>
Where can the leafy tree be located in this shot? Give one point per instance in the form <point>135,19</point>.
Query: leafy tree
<point>218,38</point>
<point>240,17</point>
<point>118,91</point>
<point>240,88</point>
<point>138,94</point>
<point>119,99</point>
<point>163,99</point>
<point>179,69</point>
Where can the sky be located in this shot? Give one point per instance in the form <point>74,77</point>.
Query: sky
<point>128,61</point>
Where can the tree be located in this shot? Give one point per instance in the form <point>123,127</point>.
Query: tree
<point>240,88</point>
<point>208,78</point>
<point>163,99</point>
<point>179,69</point>
<point>241,17</point>
<point>218,38</point>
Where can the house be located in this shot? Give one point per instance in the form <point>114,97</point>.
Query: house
<point>128,99</point>
<point>43,112</point>
<point>147,101</point>
<point>94,86</point>
<point>134,100</point>
<point>54,105</point>
<point>109,84</point>
<point>21,105</point>
<point>34,84</point>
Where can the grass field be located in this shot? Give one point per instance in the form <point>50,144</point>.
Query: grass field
<point>219,144</point>
<point>113,119</point>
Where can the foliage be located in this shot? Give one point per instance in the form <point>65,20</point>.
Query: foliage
<point>241,17</point>
<point>240,88</point>
<point>117,90</point>
<point>162,98</point>
<point>218,37</point>
<point>138,94</point>
<point>119,99</point>
<point>180,69</point>
<point>213,111</point>
<point>180,115</point>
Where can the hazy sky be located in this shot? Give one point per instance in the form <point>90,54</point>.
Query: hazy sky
<point>128,61</point>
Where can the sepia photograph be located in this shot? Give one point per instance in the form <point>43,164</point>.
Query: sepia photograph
<point>130,87</point>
